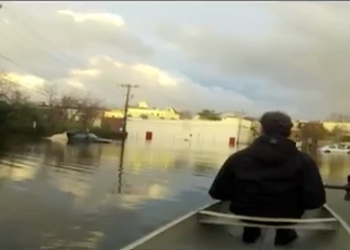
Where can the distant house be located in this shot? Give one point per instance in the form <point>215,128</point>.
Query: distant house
<point>228,116</point>
<point>336,125</point>
<point>143,111</point>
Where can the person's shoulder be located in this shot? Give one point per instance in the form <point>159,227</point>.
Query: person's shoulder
<point>240,154</point>
<point>307,159</point>
<point>305,156</point>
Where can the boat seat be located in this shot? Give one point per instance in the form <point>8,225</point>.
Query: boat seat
<point>210,217</point>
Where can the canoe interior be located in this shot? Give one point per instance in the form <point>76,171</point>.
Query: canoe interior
<point>189,234</point>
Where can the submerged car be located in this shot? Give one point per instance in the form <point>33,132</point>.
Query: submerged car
<point>85,137</point>
<point>335,148</point>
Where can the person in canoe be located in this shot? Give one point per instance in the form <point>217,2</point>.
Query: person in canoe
<point>270,178</point>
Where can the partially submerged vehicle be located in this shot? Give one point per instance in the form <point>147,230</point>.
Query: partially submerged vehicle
<point>214,227</point>
<point>335,149</point>
<point>85,137</point>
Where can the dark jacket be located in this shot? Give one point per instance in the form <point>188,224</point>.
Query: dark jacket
<point>270,178</point>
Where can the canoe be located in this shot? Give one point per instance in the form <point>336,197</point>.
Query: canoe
<point>213,227</point>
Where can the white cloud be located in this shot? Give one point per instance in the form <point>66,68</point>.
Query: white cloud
<point>103,77</point>
<point>95,17</point>
<point>92,50</point>
<point>28,81</point>
<point>70,37</point>
<point>305,51</point>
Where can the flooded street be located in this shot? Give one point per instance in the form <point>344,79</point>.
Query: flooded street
<point>54,196</point>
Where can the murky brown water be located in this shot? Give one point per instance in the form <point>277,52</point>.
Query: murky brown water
<point>96,197</point>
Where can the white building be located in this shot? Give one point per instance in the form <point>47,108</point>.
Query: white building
<point>194,133</point>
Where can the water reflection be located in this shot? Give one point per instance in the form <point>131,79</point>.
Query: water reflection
<point>104,196</point>
<point>334,167</point>
<point>121,164</point>
<point>66,196</point>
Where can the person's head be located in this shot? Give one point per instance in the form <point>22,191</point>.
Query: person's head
<point>276,123</point>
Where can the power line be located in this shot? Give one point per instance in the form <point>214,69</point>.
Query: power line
<point>33,43</point>
<point>35,33</point>
<point>6,58</point>
<point>38,35</point>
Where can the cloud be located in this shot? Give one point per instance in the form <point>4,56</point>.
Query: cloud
<point>103,77</point>
<point>83,48</point>
<point>303,54</point>
<point>202,59</point>
<point>109,19</point>
<point>50,41</point>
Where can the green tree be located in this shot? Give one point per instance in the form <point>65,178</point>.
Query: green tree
<point>339,133</point>
<point>207,114</point>
<point>313,130</point>
<point>311,133</point>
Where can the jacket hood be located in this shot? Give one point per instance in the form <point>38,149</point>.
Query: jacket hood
<point>273,150</point>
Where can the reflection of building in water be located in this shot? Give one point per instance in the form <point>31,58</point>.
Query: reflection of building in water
<point>71,181</point>
<point>90,186</point>
<point>139,192</point>
<point>141,158</point>
<point>334,166</point>
<point>71,168</point>
<point>137,157</point>
<point>135,194</point>
<point>83,155</point>
<point>95,186</point>
<point>146,173</point>
<point>144,159</point>
<point>17,169</point>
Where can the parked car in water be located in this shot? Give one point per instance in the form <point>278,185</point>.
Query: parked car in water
<point>85,137</point>
<point>335,148</point>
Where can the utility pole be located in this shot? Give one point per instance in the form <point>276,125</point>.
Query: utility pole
<point>126,105</point>
<point>240,113</point>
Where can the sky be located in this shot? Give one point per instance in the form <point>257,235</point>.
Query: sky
<point>227,56</point>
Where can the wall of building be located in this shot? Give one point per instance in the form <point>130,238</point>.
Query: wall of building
<point>340,125</point>
<point>191,133</point>
<point>143,111</point>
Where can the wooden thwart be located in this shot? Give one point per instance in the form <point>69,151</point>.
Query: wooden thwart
<point>209,217</point>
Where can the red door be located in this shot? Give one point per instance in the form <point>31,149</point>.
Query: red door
<point>232,142</point>
<point>149,136</point>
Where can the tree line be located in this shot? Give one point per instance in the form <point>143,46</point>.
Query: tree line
<point>57,113</point>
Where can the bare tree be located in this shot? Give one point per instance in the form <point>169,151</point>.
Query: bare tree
<point>83,110</point>
<point>51,93</point>
<point>69,107</point>
<point>311,133</point>
<point>338,132</point>
<point>17,97</point>
<point>338,117</point>
<point>89,110</point>
<point>185,114</point>
<point>7,87</point>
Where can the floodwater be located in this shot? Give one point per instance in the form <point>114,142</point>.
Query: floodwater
<point>54,196</point>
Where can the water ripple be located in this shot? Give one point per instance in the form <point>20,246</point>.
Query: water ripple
<point>102,197</point>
